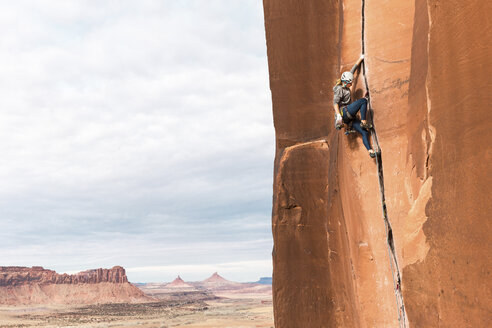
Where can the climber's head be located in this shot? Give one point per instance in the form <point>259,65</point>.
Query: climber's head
<point>347,78</point>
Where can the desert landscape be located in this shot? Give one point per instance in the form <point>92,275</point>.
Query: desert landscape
<point>36,297</point>
<point>179,138</point>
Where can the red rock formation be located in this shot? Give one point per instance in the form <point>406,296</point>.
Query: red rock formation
<point>179,283</point>
<point>453,279</point>
<point>216,279</point>
<point>15,276</point>
<point>218,283</point>
<point>426,68</point>
<point>22,285</point>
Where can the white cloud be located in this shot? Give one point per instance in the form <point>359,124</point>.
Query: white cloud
<point>126,117</point>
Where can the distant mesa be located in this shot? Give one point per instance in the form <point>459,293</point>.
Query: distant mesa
<point>17,276</point>
<point>230,289</point>
<point>179,283</point>
<point>217,279</point>
<point>218,283</point>
<point>265,281</point>
<point>213,287</point>
<point>36,285</point>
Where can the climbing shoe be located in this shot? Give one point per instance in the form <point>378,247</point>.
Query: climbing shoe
<point>366,126</point>
<point>372,154</point>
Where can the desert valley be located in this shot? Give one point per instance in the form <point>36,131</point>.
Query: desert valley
<point>36,297</point>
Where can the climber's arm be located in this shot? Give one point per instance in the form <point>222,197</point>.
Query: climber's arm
<point>354,68</point>
<point>338,117</point>
<point>337,96</point>
<point>357,64</point>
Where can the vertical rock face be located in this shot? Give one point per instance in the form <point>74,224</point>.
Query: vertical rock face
<point>451,286</point>
<point>312,282</point>
<point>427,70</point>
<point>303,51</point>
<point>302,65</point>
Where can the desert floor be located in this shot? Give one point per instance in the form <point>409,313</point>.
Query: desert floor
<point>218,313</point>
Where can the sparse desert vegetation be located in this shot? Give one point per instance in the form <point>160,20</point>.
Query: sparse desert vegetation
<point>214,313</point>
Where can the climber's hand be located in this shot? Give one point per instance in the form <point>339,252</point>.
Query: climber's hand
<point>360,60</point>
<point>339,122</point>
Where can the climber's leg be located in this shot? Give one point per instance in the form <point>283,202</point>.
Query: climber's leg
<point>361,105</point>
<point>363,109</point>
<point>365,134</point>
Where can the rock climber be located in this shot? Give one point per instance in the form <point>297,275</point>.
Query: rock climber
<point>345,111</point>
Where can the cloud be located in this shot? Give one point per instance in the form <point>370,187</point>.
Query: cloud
<point>125,121</point>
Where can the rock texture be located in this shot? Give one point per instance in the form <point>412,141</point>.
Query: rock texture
<point>428,72</point>
<point>36,285</point>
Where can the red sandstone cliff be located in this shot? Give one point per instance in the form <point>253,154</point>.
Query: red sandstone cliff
<point>36,285</point>
<point>15,276</point>
<point>428,72</point>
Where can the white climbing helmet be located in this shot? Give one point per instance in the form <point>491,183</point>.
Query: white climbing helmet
<point>347,77</point>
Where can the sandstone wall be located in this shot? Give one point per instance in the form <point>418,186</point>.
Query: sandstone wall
<point>14,276</point>
<point>45,294</point>
<point>428,74</point>
<point>27,286</point>
<point>312,282</point>
<point>451,285</point>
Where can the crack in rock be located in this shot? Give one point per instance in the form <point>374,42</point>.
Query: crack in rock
<point>395,271</point>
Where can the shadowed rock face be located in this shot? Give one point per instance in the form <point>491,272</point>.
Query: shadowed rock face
<point>15,276</point>
<point>426,71</point>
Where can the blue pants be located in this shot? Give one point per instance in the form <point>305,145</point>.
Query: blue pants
<point>361,105</point>
<point>353,108</point>
<point>365,134</point>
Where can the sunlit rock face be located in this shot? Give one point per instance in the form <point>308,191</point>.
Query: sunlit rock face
<point>426,70</point>
<point>36,285</point>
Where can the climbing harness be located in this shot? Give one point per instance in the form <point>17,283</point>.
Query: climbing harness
<point>350,117</point>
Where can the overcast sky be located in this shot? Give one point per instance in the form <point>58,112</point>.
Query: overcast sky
<point>136,133</point>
